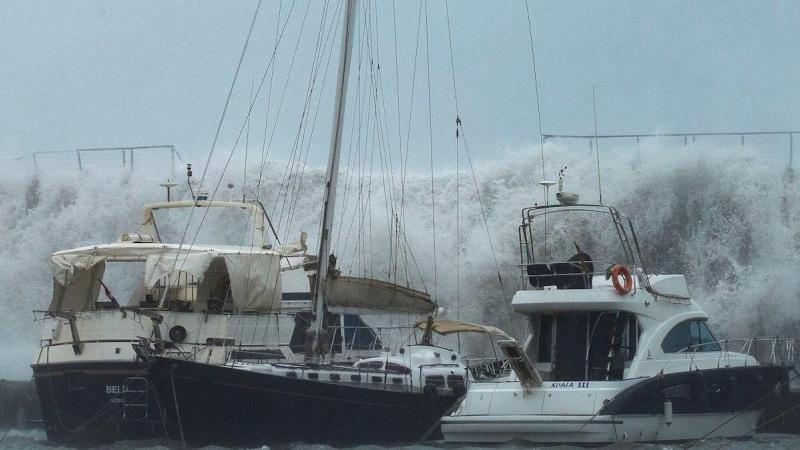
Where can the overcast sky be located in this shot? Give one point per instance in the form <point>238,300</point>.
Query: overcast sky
<point>102,73</point>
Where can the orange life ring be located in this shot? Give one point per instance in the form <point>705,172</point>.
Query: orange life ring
<point>618,270</point>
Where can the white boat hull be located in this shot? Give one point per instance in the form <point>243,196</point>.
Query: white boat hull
<point>542,429</point>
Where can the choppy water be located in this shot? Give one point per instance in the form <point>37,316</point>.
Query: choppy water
<point>35,440</point>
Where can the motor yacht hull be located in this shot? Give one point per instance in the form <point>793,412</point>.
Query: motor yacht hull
<point>225,406</point>
<point>725,402</point>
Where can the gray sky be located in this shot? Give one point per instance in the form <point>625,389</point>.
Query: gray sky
<point>102,73</point>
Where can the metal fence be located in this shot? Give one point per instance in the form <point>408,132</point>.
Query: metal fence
<point>784,139</point>
<point>162,157</point>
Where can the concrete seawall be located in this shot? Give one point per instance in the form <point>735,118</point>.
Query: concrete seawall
<point>19,406</point>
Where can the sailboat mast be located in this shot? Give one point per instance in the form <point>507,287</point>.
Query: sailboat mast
<point>332,176</point>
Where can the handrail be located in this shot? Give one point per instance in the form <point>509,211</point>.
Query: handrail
<point>748,345</point>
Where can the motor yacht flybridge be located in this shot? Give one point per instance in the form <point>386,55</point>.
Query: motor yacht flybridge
<point>614,353</point>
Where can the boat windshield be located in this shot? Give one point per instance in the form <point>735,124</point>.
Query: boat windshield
<point>209,226</point>
<point>565,246</point>
<point>692,335</point>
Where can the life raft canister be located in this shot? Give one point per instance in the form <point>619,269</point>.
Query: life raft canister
<point>618,270</point>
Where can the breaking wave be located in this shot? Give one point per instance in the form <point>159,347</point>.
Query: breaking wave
<point>725,216</point>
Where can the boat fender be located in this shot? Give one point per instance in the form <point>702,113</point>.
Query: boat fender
<point>700,389</point>
<point>618,270</point>
<point>784,384</point>
<point>432,393</point>
<point>668,412</point>
<point>177,334</point>
<point>459,390</point>
<point>733,394</point>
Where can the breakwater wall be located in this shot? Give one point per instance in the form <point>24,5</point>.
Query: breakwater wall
<point>19,405</point>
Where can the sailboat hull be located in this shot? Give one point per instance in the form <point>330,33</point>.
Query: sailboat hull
<point>233,407</point>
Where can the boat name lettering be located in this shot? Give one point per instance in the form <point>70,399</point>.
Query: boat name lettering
<point>115,389</point>
<point>569,384</point>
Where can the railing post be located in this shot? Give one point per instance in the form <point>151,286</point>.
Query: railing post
<point>80,166</point>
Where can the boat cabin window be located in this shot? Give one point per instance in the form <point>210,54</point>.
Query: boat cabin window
<point>693,335</point>
<point>350,334</point>
<point>370,365</point>
<point>587,345</point>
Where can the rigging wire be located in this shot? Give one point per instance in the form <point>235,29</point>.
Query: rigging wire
<point>488,234</point>
<point>430,137</point>
<point>305,144</point>
<point>536,87</point>
<point>597,147</point>
<point>408,130</point>
<point>399,139</point>
<point>458,172</point>
<point>228,100</point>
<point>211,152</point>
<point>461,135</point>
<point>247,144</point>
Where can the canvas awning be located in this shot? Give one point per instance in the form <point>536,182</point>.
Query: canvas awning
<point>76,281</point>
<point>159,266</point>
<point>255,281</point>
<point>351,294</point>
<point>254,277</point>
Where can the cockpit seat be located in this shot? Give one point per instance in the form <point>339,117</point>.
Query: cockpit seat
<point>540,275</point>
<point>576,273</point>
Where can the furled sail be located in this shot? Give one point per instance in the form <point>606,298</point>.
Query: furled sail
<point>366,295</point>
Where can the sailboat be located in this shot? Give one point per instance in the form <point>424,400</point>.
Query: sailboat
<point>395,397</point>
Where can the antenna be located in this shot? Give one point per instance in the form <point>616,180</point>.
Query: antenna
<point>189,179</point>
<point>597,146</point>
<point>169,185</point>
<point>547,185</point>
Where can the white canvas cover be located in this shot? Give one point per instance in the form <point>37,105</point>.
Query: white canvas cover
<point>255,281</point>
<point>76,281</point>
<point>159,266</point>
<point>377,295</point>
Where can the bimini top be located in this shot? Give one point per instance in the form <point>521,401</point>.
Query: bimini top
<point>447,327</point>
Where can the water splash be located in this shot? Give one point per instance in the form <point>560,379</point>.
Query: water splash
<point>727,217</point>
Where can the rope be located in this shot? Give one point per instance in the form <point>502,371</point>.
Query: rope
<point>584,424</point>
<point>4,434</point>
<point>439,422</point>
<point>177,411</point>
